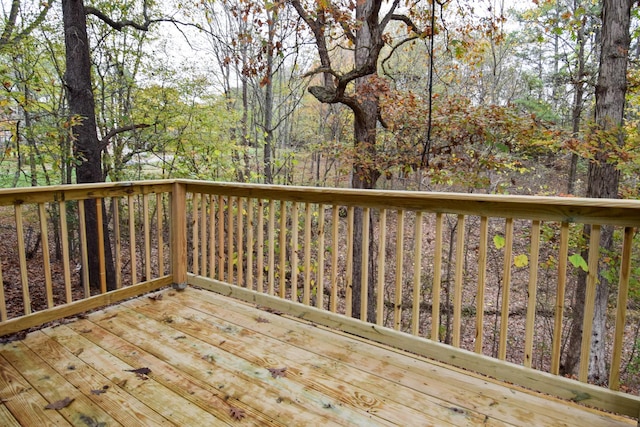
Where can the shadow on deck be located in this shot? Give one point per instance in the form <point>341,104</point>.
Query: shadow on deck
<point>214,360</point>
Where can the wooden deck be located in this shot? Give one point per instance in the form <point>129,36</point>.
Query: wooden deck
<point>216,361</point>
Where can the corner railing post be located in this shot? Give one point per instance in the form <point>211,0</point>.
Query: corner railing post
<point>179,235</point>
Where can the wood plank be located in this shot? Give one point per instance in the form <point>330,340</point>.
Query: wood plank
<point>195,368</point>
<point>112,398</point>
<point>53,386</point>
<point>250,243</point>
<point>84,341</point>
<point>513,405</point>
<point>118,242</point>
<point>24,403</point>
<point>506,288</point>
<point>306,289</point>
<point>230,231</point>
<point>203,235</point>
<point>3,301</point>
<point>84,254</point>
<point>240,242</point>
<point>36,319</point>
<point>147,236</point>
<point>6,418</point>
<point>598,397</point>
<point>363,391</point>
<point>195,236</point>
<point>159,231</point>
<point>221,247</point>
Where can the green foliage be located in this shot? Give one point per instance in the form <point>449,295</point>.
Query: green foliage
<point>579,262</point>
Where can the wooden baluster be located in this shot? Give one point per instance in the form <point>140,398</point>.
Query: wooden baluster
<point>147,236</point>
<point>335,223</point>
<point>260,248</point>
<point>195,235</point>
<point>294,251</point>
<point>589,302</point>
<point>46,261</point>
<point>3,302</point>
<point>563,256</point>
<point>159,232</point>
<point>531,301</point>
<point>437,280</point>
<point>132,240</point>
<point>230,253</point>
<point>397,305</point>
<point>306,294</point>
<point>320,271</point>
<point>221,252</point>
<point>212,236</point>
<point>482,281</point>
<point>382,241</point>
<point>84,257</point>
<point>506,286</point>
<point>621,310</point>
<point>417,273</point>
<point>24,279</point>
<point>240,242</point>
<point>459,276</point>
<point>283,248</point>
<point>272,251</point>
<point>101,256</point>
<point>250,242</point>
<point>364,282</point>
<point>64,234</point>
<point>349,273</point>
<point>203,235</point>
<point>118,242</point>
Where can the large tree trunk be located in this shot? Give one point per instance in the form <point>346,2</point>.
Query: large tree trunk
<point>604,176</point>
<point>87,149</point>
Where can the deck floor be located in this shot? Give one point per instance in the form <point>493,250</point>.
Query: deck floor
<point>216,361</point>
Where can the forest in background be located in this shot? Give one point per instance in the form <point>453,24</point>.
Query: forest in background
<point>504,99</point>
<point>468,96</point>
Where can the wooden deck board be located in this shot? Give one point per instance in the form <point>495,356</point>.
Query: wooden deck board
<point>209,355</point>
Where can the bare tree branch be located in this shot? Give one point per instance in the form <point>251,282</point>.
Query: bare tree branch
<point>113,132</point>
<point>5,39</point>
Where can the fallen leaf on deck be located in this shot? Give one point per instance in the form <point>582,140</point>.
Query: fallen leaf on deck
<point>59,404</point>
<point>157,297</point>
<point>140,371</point>
<point>278,372</point>
<point>91,422</point>
<point>85,331</point>
<point>261,319</point>
<point>237,413</point>
<point>271,310</point>
<point>180,337</point>
<point>100,391</point>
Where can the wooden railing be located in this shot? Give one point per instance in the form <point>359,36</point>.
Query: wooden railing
<point>45,257</point>
<point>480,282</point>
<point>493,277</point>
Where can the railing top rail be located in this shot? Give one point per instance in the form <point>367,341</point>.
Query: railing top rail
<point>562,209</point>
<point>53,193</point>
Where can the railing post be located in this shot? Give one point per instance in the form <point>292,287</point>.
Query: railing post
<point>179,235</point>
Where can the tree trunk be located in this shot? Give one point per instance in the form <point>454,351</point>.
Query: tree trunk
<point>604,176</point>
<point>578,101</point>
<point>87,149</point>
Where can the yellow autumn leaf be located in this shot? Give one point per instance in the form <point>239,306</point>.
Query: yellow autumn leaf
<point>521,260</point>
